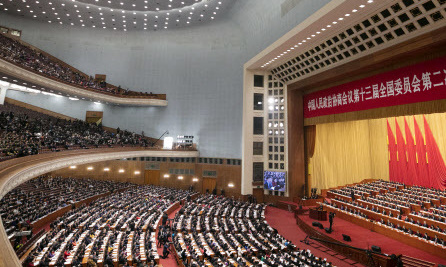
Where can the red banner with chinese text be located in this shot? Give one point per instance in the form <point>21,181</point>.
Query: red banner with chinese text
<point>422,82</point>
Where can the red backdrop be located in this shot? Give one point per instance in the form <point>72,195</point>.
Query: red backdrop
<point>417,83</point>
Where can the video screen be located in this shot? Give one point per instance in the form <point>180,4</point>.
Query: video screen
<point>274,180</point>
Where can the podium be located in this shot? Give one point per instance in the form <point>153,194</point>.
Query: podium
<point>317,214</point>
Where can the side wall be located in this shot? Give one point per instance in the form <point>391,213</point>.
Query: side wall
<point>200,68</point>
<point>226,174</point>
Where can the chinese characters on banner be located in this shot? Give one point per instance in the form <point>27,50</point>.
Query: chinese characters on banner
<point>425,81</point>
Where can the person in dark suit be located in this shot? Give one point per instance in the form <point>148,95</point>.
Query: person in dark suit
<point>165,217</point>
<point>330,220</point>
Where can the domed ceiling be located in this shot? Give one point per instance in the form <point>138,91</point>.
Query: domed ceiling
<point>123,15</point>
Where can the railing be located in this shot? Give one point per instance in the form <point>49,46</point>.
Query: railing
<point>143,95</point>
<point>360,255</point>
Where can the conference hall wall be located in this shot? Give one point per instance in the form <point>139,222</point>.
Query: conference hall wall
<point>225,174</point>
<point>349,152</point>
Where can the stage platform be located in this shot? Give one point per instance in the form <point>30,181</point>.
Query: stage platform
<point>293,205</point>
<point>365,239</point>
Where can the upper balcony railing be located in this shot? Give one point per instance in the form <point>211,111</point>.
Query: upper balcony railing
<point>24,62</point>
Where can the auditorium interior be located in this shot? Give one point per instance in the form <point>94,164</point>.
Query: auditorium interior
<point>214,133</point>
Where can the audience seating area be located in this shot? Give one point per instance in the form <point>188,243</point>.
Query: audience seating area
<point>30,202</point>
<point>219,231</point>
<point>123,227</point>
<point>415,215</point>
<point>24,132</point>
<point>27,57</point>
<point>118,229</point>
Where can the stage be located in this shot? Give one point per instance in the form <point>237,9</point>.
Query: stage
<point>365,239</point>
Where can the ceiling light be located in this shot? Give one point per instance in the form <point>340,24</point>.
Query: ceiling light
<point>137,172</point>
<point>73,167</point>
<point>90,168</point>
<point>106,169</point>
<point>121,170</point>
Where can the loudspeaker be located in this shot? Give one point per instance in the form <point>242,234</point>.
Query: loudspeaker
<point>376,249</point>
<point>346,238</point>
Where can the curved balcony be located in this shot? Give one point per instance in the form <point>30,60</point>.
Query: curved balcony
<point>33,78</point>
<point>16,171</point>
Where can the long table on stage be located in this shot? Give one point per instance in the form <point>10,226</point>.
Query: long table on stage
<point>317,214</point>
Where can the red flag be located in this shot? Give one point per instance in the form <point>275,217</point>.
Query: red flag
<point>423,172</point>
<point>412,176</point>
<point>436,166</point>
<point>392,154</point>
<point>402,156</point>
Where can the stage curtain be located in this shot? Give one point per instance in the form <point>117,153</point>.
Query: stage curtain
<point>411,156</point>
<point>349,152</point>
<point>342,154</point>
<point>310,139</point>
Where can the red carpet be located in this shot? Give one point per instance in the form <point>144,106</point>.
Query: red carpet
<point>364,238</point>
<point>285,223</point>
<point>169,261</point>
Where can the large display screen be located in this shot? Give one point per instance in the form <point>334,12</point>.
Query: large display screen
<point>274,180</point>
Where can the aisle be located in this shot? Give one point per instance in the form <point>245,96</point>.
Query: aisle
<point>285,223</point>
<point>169,261</point>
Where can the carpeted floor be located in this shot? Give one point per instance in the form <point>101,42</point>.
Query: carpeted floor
<point>285,223</point>
<point>364,238</point>
<point>169,261</point>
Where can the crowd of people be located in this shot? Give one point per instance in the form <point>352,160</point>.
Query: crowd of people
<point>416,211</point>
<point>24,132</point>
<point>116,229</point>
<point>35,199</point>
<point>219,231</point>
<point>128,227</point>
<point>29,58</point>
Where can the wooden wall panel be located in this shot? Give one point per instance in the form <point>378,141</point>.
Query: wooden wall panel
<point>113,174</point>
<point>296,160</point>
<point>226,174</point>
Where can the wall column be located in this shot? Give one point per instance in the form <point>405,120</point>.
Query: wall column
<point>296,146</point>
